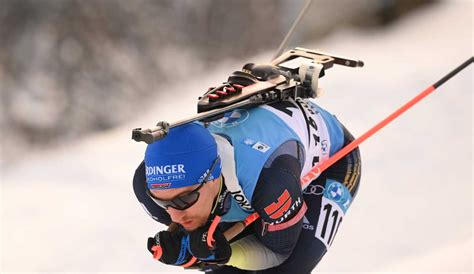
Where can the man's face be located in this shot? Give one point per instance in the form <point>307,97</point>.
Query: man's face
<point>196,215</point>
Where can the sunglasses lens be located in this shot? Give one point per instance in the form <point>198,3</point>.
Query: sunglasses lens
<point>185,201</point>
<point>180,203</point>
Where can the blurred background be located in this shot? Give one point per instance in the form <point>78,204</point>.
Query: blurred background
<point>77,76</point>
<point>70,68</point>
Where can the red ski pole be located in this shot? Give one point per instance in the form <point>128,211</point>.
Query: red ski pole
<point>317,170</point>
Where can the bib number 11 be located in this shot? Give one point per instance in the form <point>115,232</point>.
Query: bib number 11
<point>330,218</point>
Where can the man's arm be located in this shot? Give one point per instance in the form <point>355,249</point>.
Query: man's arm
<point>278,200</point>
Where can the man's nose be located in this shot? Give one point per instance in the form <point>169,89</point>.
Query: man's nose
<point>176,215</point>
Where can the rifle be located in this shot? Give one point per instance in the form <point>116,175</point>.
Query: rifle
<point>294,74</point>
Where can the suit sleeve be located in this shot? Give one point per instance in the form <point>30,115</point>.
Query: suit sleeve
<point>278,200</point>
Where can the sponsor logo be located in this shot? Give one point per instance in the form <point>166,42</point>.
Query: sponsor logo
<point>335,191</point>
<point>282,209</point>
<point>164,185</point>
<point>204,175</point>
<point>167,169</point>
<point>232,119</point>
<point>338,193</point>
<point>204,237</point>
<point>278,208</point>
<point>249,142</point>
<point>290,211</point>
<point>306,224</point>
<point>221,202</point>
<point>241,200</point>
<point>314,190</point>
<point>166,178</point>
<point>324,147</point>
<point>159,176</point>
<point>261,147</point>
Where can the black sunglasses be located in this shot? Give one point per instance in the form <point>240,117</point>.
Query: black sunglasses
<point>187,200</point>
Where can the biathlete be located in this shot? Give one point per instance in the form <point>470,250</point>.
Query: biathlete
<point>251,160</point>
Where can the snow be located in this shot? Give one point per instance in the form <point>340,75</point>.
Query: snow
<point>72,209</point>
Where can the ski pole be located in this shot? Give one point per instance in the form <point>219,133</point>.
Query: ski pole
<point>295,23</point>
<point>317,170</point>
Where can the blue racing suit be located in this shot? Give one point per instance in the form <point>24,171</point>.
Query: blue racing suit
<point>265,151</point>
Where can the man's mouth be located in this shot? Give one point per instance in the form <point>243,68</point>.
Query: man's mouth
<point>187,223</point>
